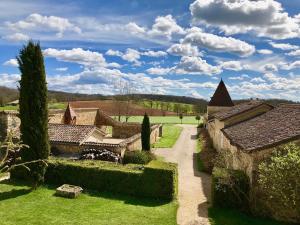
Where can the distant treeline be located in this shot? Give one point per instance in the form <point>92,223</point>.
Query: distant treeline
<point>198,105</point>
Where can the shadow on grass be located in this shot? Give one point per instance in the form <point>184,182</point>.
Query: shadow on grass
<point>127,199</point>
<point>14,193</point>
<point>219,216</point>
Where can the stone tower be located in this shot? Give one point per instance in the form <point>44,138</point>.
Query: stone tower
<point>220,100</point>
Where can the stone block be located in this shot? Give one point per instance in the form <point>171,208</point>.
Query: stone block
<point>68,191</point>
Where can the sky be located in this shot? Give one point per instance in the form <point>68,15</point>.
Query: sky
<point>170,47</point>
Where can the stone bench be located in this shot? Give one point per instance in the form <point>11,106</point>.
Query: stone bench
<point>68,191</point>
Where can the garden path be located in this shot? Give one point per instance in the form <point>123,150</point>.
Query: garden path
<point>194,186</point>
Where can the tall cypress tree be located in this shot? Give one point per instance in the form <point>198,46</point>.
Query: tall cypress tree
<point>146,131</point>
<point>34,109</point>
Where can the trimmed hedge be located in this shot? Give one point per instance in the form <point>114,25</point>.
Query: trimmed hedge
<point>230,189</point>
<point>138,157</point>
<point>155,180</point>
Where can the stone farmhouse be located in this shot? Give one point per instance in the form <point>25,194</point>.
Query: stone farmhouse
<point>71,131</point>
<point>248,132</point>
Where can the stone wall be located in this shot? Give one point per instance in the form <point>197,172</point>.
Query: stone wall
<point>8,121</point>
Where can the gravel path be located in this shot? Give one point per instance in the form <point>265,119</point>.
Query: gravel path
<point>194,186</point>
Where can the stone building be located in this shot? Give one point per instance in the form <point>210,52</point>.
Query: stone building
<point>248,132</point>
<point>71,131</point>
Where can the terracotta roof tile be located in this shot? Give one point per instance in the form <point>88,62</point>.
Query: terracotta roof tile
<point>69,133</point>
<point>238,109</point>
<point>280,125</point>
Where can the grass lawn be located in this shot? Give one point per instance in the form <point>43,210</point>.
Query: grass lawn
<point>233,217</point>
<point>169,137</point>
<point>58,105</point>
<point>20,206</point>
<point>163,119</point>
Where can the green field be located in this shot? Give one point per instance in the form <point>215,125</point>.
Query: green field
<point>19,205</point>
<point>163,119</point>
<point>170,136</point>
<point>232,217</point>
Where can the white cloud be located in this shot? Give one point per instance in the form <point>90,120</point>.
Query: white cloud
<point>165,26</point>
<point>283,46</point>
<point>16,37</point>
<point>195,65</point>
<point>265,17</point>
<point>11,62</point>
<point>158,70</point>
<point>77,55</point>
<point>9,80</point>
<point>232,65</point>
<point>242,77</point>
<point>154,53</point>
<point>184,50</point>
<point>113,53</point>
<point>62,69</point>
<point>270,67</point>
<point>291,66</point>
<point>257,80</point>
<point>265,51</point>
<point>38,22</point>
<point>213,42</point>
<point>133,56</point>
<point>294,53</point>
<point>135,29</point>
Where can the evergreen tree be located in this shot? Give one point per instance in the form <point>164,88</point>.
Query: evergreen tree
<point>34,109</point>
<point>146,130</point>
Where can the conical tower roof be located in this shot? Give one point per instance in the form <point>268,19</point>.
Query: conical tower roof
<point>69,115</point>
<point>221,96</point>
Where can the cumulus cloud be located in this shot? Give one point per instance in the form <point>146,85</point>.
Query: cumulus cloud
<point>232,65</point>
<point>38,22</point>
<point>151,53</point>
<point>213,42</point>
<point>270,67</point>
<point>77,55</point>
<point>195,65</point>
<point>135,29</point>
<point>11,62</point>
<point>265,17</point>
<point>16,37</point>
<point>265,51</point>
<point>294,53</point>
<point>165,26</point>
<point>132,55</point>
<point>283,46</point>
<point>184,50</point>
<point>291,66</point>
<point>158,70</point>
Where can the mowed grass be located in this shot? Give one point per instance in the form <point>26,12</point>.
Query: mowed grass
<point>170,135</point>
<point>18,205</point>
<point>163,119</point>
<point>219,216</point>
<point>58,105</point>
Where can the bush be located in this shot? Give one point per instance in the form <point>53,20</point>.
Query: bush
<point>230,189</point>
<point>208,153</point>
<point>279,183</point>
<point>138,157</point>
<point>156,180</point>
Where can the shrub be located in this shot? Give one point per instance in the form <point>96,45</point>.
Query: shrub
<point>230,189</point>
<point>138,157</point>
<point>207,154</point>
<point>156,180</point>
<point>145,134</point>
<point>279,183</point>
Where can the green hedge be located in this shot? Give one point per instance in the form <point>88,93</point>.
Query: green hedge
<point>138,157</point>
<point>155,180</point>
<point>230,189</point>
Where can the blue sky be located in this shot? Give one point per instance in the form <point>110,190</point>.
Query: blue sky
<point>162,47</point>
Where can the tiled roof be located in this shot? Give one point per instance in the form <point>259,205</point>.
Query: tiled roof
<point>280,125</point>
<point>237,109</point>
<point>221,96</point>
<point>75,134</point>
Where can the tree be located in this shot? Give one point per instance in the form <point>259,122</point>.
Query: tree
<point>34,110</point>
<point>181,117</point>
<point>146,131</point>
<point>279,180</point>
<point>198,118</point>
